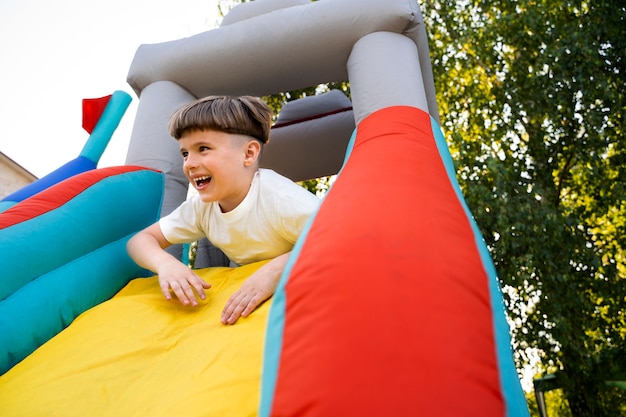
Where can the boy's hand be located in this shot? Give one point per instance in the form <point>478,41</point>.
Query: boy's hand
<point>178,278</point>
<point>146,249</point>
<point>257,288</point>
<point>252,293</point>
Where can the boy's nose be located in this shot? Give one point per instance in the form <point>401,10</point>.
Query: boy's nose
<point>189,163</point>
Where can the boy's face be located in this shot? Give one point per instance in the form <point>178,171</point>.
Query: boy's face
<point>220,166</point>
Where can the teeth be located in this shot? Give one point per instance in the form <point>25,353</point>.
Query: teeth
<point>199,179</point>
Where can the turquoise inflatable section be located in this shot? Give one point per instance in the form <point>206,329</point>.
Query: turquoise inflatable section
<point>110,208</point>
<point>42,308</point>
<point>62,256</point>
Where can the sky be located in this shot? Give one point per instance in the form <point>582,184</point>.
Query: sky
<point>53,54</point>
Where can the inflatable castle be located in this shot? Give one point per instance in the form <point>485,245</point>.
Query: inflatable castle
<point>389,304</point>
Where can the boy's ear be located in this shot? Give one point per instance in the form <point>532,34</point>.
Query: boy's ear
<point>252,152</point>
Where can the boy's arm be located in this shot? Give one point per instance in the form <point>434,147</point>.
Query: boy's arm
<point>146,248</point>
<point>257,288</point>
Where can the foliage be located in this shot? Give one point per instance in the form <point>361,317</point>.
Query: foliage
<point>531,95</point>
<point>319,186</point>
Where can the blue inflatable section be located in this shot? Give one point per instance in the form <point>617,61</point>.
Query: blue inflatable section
<point>75,166</point>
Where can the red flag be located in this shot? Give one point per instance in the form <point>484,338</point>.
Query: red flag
<point>92,111</point>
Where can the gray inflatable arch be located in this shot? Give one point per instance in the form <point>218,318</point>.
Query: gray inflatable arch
<point>266,47</point>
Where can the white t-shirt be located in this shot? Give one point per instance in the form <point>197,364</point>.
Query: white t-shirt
<point>265,224</point>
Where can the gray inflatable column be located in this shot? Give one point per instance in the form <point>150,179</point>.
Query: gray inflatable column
<point>152,146</point>
<point>384,71</point>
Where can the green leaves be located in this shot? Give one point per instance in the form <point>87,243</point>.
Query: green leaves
<point>531,95</point>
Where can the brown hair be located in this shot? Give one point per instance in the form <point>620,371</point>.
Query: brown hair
<point>245,115</point>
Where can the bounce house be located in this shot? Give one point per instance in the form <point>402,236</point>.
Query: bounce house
<point>389,304</point>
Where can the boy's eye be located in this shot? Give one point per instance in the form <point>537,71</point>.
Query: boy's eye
<point>184,154</point>
<point>204,148</point>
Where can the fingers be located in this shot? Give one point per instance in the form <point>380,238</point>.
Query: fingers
<point>239,305</point>
<point>165,289</point>
<point>199,285</point>
<point>187,289</point>
<point>255,290</point>
<point>185,293</point>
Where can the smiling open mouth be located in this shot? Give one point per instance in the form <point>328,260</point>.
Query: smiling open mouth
<point>202,182</point>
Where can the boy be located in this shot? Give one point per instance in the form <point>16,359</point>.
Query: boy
<point>250,213</point>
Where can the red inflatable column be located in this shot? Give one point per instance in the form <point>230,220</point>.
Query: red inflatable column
<point>388,310</point>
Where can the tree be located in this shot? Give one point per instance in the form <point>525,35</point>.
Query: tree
<point>531,96</point>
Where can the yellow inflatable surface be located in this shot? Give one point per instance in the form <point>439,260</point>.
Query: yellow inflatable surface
<point>140,355</point>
